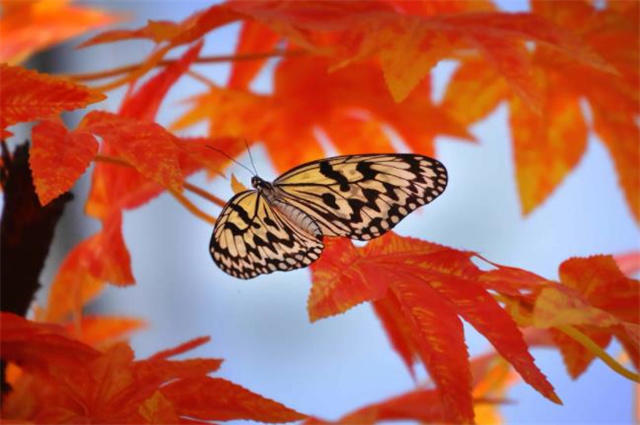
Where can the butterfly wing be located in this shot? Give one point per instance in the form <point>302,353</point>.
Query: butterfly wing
<point>251,238</point>
<point>362,196</point>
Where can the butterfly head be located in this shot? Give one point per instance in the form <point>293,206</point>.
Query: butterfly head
<point>260,184</point>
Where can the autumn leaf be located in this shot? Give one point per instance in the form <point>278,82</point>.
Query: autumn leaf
<point>28,95</point>
<point>254,37</point>
<point>187,31</point>
<point>41,348</point>
<point>58,158</point>
<point>406,45</point>
<point>29,26</point>
<point>603,285</point>
<point>354,31</point>
<point>593,302</point>
<point>102,331</point>
<point>68,381</point>
<point>422,405</point>
<point>52,140</point>
<point>101,258</point>
<point>491,379</point>
<point>628,263</point>
<point>145,101</point>
<point>116,186</point>
<point>158,160</point>
<point>353,111</point>
<point>200,398</point>
<point>423,288</point>
<point>548,145</point>
<point>147,146</point>
<point>236,186</point>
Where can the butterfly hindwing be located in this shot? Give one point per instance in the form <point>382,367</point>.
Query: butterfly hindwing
<point>252,238</point>
<point>363,196</point>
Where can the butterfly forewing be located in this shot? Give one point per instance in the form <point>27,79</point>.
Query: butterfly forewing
<point>251,238</point>
<point>363,196</point>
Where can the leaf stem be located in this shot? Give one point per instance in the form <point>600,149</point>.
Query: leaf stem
<point>181,198</point>
<point>204,194</point>
<point>191,207</point>
<point>584,340</point>
<point>166,62</point>
<point>588,343</point>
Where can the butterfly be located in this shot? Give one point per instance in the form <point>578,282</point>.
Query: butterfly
<point>280,225</point>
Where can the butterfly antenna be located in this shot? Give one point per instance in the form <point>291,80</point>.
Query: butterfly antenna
<point>251,157</point>
<point>228,156</point>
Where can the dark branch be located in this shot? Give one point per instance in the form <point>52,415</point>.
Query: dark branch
<point>26,231</point>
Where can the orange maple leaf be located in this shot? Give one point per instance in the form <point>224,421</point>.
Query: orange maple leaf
<point>101,258</point>
<point>58,158</point>
<point>592,302</point>
<point>407,45</point>
<point>491,378</point>
<point>353,111</point>
<point>549,144</point>
<point>174,34</point>
<point>67,381</point>
<point>27,95</point>
<point>102,331</point>
<point>29,26</point>
<point>422,288</point>
<point>146,146</point>
<point>604,287</point>
<point>160,161</point>
<point>144,103</point>
<point>254,37</point>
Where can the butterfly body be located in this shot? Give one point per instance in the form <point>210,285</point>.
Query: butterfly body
<point>277,200</point>
<point>280,224</point>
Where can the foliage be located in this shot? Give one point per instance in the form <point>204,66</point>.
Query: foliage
<point>352,70</point>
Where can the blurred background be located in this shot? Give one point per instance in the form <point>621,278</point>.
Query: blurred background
<point>260,327</point>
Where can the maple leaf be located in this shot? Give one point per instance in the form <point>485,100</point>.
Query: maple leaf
<point>628,263</point>
<point>58,158</point>
<point>68,381</point>
<point>41,348</point>
<point>200,398</point>
<point>118,186</point>
<point>29,26</point>
<point>491,378</point>
<point>592,302</point>
<point>28,95</point>
<point>548,145</point>
<point>147,146</point>
<point>613,301</point>
<point>187,31</point>
<point>253,37</point>
<point>102,331</point>
<point>408,46</point>
<point>353,111</point>
<point>101,258</point>
<point>423,287</point>
<point>144,103</point>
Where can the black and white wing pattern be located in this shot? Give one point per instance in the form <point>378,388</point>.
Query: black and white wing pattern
<point>363,196</point>
<point>251,238</point>
<point>280,225</point>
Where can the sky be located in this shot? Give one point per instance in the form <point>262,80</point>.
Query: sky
<point>260,327</point>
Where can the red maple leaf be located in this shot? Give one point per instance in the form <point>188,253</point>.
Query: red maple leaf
<point>29,26</point>
<point>420,290</point>
<point>27,95</point>
<point>64,380</point>
<point>549,143</point>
